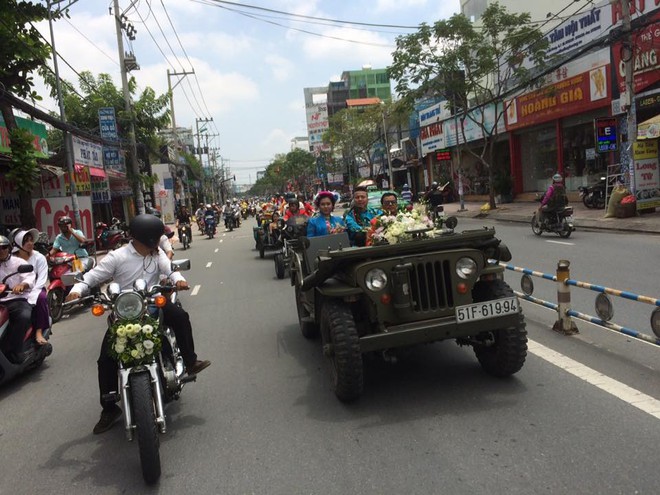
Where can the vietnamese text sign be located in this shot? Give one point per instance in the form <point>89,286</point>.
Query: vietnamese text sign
<point>37,130</point>
<point>108,124</point>
<point>647,179</point>
<point>86,153</point>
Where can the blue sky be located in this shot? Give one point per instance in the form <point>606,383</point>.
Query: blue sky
<point>251,66</point>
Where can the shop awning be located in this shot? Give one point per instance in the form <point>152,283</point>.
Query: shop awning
<point>649,129</point>
<point>97,172</point>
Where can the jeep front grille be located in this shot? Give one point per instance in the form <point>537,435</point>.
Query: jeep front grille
<point>431,286</point>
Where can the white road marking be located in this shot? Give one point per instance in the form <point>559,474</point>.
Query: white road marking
<point>224,235</point>
<point>208,265</point>
<point>619,390</point>
<point>216,250</point>
<point>195,290</point>
<point>221,241</point>
<point>561,242</point>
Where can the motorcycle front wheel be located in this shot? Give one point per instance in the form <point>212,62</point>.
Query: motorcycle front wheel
<point>144,415</point>
<point>565,230</point>
<point>536,226</point>
<point>55,300</point>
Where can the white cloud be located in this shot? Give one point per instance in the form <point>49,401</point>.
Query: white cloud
<point>219,44</point>
<point>390,5</point>
<point>277,138</point>
<point>281,67</point>
<point>371,49</point>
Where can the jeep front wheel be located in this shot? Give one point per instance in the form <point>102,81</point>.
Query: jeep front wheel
<point>504,350</point>
<point>341,345</point>
<point>308,328</point>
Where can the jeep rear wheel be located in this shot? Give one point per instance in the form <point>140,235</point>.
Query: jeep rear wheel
<point>341,345</point>
<point>504,350</point>
<point>308,328</point>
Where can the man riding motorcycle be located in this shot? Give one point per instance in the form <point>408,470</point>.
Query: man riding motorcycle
<point>183,218</point>
<point>69,240</point>
<point>140,259</point>
<point>554,198</point>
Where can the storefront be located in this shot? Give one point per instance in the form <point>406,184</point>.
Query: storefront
<point>552,129</point>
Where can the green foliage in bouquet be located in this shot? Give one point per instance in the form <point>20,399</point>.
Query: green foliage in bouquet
<point>134,343</point>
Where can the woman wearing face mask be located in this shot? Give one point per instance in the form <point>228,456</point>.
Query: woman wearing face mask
<point>24,248</point>
<point>324,223</point>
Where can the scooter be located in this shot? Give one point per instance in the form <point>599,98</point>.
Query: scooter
<point>110,237</point>
<point>33,355</point>
<point>209,222</point>
<point>58,265</point>
<point>558,221</point>
<point>185,234</point>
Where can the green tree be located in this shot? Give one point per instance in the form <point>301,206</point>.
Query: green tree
<point>474,66</point>
<point>22,51</point>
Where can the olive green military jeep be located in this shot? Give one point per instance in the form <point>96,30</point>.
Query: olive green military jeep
<point>387,297</point>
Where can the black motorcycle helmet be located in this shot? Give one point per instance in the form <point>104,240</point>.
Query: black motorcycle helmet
<point>147,229</point>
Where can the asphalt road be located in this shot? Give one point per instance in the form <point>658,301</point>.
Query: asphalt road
<point>262,419</point>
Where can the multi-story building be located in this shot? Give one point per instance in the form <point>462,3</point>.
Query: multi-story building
<point>368,83</point>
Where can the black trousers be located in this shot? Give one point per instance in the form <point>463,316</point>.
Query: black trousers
<point>174,317</point>
<point>20,318</point>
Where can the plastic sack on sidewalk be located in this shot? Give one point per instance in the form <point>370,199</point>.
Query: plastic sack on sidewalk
<point>618,193</point>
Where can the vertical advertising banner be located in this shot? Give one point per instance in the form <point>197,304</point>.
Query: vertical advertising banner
<point>163,189</point>
<point>317,124</point>
<point>647,179</point>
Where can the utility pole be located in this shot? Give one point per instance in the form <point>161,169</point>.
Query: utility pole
<point>631,117</point>
<point>175,137</point>
<point>387,151</point>
<point>68,142</point>
<point>199,141</point>
<point>135,167</point>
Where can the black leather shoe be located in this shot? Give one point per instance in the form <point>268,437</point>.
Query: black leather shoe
<point>108,418</point>
<point>198,366</point>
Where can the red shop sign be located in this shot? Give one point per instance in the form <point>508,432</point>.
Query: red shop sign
<point>577,94</point>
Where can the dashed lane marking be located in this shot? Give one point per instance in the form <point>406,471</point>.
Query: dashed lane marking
<point>562,242</point>
<point>208,265</point>
<point>195,290</point>
<point>216,250</point>
<point>220,241</point>
<point>613,387</point>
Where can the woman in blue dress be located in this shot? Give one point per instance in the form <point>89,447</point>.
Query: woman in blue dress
<point>324,223</point>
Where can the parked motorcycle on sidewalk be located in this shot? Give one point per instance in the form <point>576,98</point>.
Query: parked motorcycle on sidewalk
<point>151,371</point>
<point>593,196</point>
<point>32,354</point>
<point>559,221</point>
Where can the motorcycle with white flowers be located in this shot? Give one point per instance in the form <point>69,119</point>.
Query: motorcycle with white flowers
<point>150,366</point>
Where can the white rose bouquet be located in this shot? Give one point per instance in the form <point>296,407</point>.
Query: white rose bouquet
<point>134,343</point>
<point>403,226</point>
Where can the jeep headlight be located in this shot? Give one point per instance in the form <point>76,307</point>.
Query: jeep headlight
<point>376,279</point>
<point>466,267</point>
<point>129,305</point>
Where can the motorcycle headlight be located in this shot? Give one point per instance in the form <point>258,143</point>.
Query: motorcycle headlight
<point>466,267</point>
<point>129,305</point>
<point>375,280</point>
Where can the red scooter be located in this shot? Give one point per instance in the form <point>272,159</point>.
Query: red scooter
<point>110,237</point>
<point>59,264</point>
<point>32,354</point>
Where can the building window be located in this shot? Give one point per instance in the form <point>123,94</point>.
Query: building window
<point>382,78</point>
<point>538,157</point>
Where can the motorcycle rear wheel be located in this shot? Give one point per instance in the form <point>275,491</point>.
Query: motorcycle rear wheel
<point>280,267</point>
<point>565,230</point>
<point>144,414</point>
<point>536,226</point>
<point>55,300</point>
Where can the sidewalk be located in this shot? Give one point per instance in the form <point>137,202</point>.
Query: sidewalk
<point>584,218</point>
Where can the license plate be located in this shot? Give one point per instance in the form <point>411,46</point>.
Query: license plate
<point>488,309</point>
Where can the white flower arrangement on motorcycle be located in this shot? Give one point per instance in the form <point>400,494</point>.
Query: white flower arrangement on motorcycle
<point>134,343</point>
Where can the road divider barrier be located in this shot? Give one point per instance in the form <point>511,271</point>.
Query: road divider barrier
<point>603,305</point>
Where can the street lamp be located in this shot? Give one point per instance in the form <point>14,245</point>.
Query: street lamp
<point>387,150</point>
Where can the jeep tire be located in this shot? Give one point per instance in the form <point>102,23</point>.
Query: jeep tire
<point>507,354</point>
<point>341,345</point>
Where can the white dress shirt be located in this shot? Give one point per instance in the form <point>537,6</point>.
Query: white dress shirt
<point>10,266</point>
<point>125,265</point>
<point>40,264</point>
